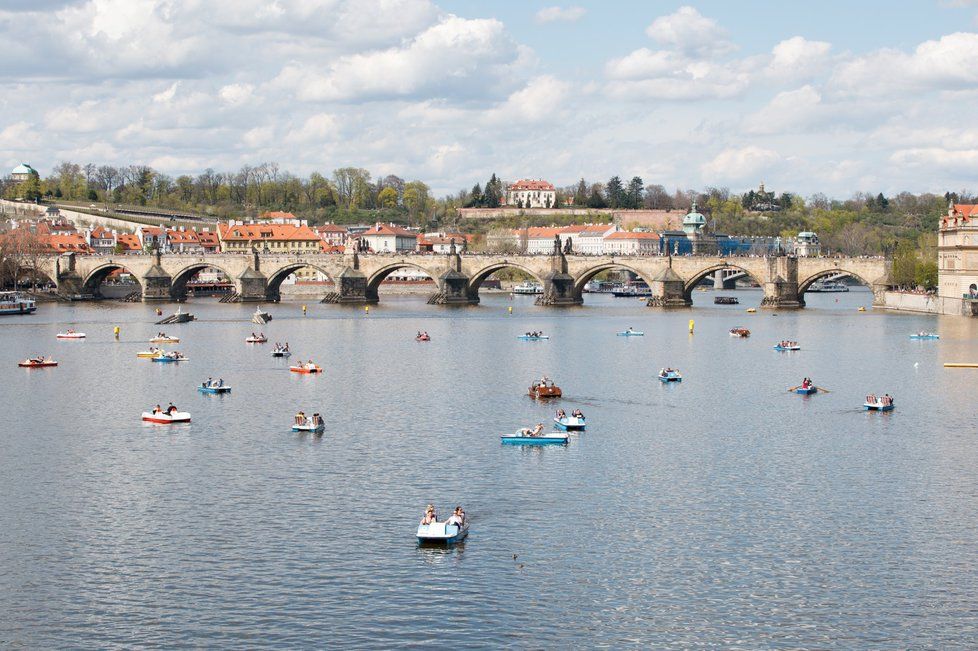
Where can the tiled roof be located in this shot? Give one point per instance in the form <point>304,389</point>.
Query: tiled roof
<point>626,235</point>
<point>182,237</point>
<point>531,184</point>
<point>129,241</point>
<point>277,214</point>
<point>267,232</point>
<point>331,228</point>
<point>384,229</point>
<point>64,243</point>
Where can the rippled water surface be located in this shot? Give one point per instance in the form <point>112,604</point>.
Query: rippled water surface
<point>722,511</point>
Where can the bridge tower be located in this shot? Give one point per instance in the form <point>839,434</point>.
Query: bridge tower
<point>157,283</point>
<point>668,289</point>
<point>453,285</point>
<point>252,283</point>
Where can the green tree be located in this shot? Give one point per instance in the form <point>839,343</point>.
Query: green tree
<point>475,197</point>
<point>416,199</point>
<point>581,194</point>
<point>905,264</point>
<point>493,194</point>
<point>31,188</point>
<point>633,196</point>
<point>387,198</point>
<point>926,275</point>
<point>614,193</point>
<point>595,200</point>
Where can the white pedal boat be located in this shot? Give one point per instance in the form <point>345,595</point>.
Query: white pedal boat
<point>165,340</point>
<point>442,532</point>
<point>570,424</point>
<point>256,340</point>
<point>166,419</point>
<point>70,335</point>
<point>281,352</point>
<point>309,426</point>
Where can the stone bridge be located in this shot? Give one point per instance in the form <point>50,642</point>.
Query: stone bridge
<point>356,278</point>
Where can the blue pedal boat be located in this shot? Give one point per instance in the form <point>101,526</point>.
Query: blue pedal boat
<point>170,357</point>
<point>806,392</point>
<point>877,406</point>
<point>926,335</point>
<point>784,348</point>
<point>570,424</point>
<point>225,388</point>
<point>550,438</point>
<point>442,533</point>
<point>631,333</point>
<point>670,376</point>
<point>532,338</point>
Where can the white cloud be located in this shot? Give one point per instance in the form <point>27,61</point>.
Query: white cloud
<point>689,31</point>
<point>560,14</point>
<point>316,128</point>
<point>236,94</point>
<point>798,58</point>
<point>456,56</point>
<point>788,110</point>
<point>740,164</point>
<point>535,103</point>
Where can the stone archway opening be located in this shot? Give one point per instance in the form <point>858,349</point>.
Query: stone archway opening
<point>401,279</point>
<point>724,285</point>
<point>614,280</point>
<point>201,280</point>
<point>300,282</point>
<point>507,279</point>
<point>112,281</point>
<point>830,284</point>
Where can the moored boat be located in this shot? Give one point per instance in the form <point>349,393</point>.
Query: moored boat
<point>528,288</point>
<point>70,334</point>
<point>164,418</point>
<point>521,437</point>
<point>726,300</point>
<point>261,317</point>
<point>14,303</point>
<point>37,362</point>
<point>739,332</point>
<point>670,375</point>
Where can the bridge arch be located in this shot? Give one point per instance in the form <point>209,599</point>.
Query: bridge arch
<point>278,276</point>
<point>179,280</point>
<point>479,277</point>
<point>691,283</point>
<point>381,274</point>
<point>587,275</point>
<point>803,285</point>
<point>93,281</point>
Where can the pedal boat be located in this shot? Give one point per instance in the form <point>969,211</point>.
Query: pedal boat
<point>33,363</point>
<point>878,406</point>
<point>631,333</point>
<point>670,376</point>
<point>165,340</point>
<point>306,368</point>
<point>256,340</point>
<point>532,338</point>
<point>70,335</point>
<point>224,388</point>
<point>926,335</point>
<point>423,338</point>
<point>166,419</point>
<point>309,426</point>
<point>442,532</point>
<point>779,347</point>
<point>739,332</point>
<point>170,357</point>
<point>570,424</point>
<point>281,352</point>
<point>545,438</point>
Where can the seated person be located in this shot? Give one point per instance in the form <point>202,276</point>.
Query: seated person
<point>457,517</point>
<point>429,517</point>
<point>578,413</point>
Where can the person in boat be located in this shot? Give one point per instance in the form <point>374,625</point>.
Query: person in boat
<point>561,414</point>
<point>220,382</point>
<point>457,517</point>
<point>300,418</point>
<point>526,431</point>
<point>429,517</point>
<point>887,399</point>
<point>317,419</point>
<point>157,410</point>
<point>286,346</point>
<point>630,329</point>
<point>578,414</point>
<point>171,409</point>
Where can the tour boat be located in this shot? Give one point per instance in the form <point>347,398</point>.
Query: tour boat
<point>281,352</point>
<point>533,337</point>
<point>312,423</point>
<point>570,423</point>
<point>422,338</point>
<point>632,290</point>
<point>163,418</point>
<point>545,389</point>
<point>631,333</point>
<point>670,375</point>
<point>925,335</point>
<point>726,300</point>
<point>789,347</point>
<point>164,339</point>
<point>739,332</point>
<point>42,362</point>
<point>306,368</point>
<point>442,532</point>
<point>71,334</point>
<point>170,357</point>
<point>879,404</point>
<point>528,288</point>
<point>14,303</point>
<point>827,286</point>
<point>256,340</point>
<point>214,388</point>
<point>806,391</point>
<point>548,438</point>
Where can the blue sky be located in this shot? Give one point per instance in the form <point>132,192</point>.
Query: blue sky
<point>827,96</point>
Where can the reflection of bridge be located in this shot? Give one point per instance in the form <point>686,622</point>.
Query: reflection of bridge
<point>357,278</point>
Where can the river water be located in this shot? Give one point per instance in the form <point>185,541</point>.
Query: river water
<point>722,511</point>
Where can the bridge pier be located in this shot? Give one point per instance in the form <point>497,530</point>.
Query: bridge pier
<point>351,289</point>
<point>558,291</point>
<point>781,292</point>
<point>668,290</point>
<point>720,281</point>
<point>252,286</point>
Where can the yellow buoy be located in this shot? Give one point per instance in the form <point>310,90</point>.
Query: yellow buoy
<point>366,309</point>
<point>510,309</point>
<point>691,324</point>
<point>862,309</point>
<point>303,310</point>
<point>116,331</point>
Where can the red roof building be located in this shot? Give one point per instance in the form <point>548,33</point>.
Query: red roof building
<point>277,238</point>
<point>531,193</point>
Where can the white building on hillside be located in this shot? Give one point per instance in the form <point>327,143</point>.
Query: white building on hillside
<point>587,239</point>
<point>530,193</point>
<point>628,243</point>
<point>390,239</point>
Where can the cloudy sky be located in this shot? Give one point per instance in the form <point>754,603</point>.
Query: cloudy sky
<point>834,96</point>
